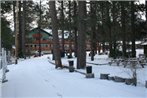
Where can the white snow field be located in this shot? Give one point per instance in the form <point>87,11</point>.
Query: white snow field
<point>37,78</point>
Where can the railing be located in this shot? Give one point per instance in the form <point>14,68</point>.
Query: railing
<point>3,67</point>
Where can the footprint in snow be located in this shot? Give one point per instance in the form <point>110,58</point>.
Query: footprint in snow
<point>58,94</point>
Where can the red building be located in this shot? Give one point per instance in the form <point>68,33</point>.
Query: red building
<point>40,38</point>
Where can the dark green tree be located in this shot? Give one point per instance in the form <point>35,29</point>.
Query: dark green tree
<point>6,32</point>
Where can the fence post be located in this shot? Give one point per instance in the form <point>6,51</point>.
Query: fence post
<point>4,65</point>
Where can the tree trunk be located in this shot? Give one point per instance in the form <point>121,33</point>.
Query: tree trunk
<point>146,14</point>
<point>62,22</point>
<point>56,46</point>
<point>14,18</point>
<point>75,28</point>
<point>103,46</point>
<point>123,27</point>
<point>93,29</point>
<point>23,28</point>
<point>39,26</point>
<point>103,19</point>
<point>81,58</point>
<point>16,32</point>
<point>20,30</point>
<point>109,28</point>
<point>114,15</point>
<point>133,29</point>
<point>70,35</point>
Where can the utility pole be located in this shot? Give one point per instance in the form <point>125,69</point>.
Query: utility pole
<point>17,32</point>
<point>40,30</point>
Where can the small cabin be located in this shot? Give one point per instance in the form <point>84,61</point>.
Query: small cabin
<point>36,38</point>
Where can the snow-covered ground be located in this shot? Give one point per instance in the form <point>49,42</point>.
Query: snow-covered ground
<point>37,77</point>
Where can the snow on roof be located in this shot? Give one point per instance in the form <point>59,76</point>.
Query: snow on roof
<point>48,30</point>
<point>66,34</point>
<point>144,43</point>
<point>13,47</point>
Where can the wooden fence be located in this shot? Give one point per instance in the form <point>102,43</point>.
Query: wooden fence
<point>3,67</point>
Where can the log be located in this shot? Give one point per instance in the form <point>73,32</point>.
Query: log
<point>110,78</point>
<point>104,76</point>
<point>119,79</point>
<point>129,81</point>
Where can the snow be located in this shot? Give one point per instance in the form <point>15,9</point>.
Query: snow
<point>145,43</point>
<point>36,77</point>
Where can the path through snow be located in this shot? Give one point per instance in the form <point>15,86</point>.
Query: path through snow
<point>38,78</point>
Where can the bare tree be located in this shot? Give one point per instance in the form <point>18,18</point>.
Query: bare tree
<point>56,46</point>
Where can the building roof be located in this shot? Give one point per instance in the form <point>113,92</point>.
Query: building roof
<point>66,33</point>
<point>48,33</point>
<point>144,42</point>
